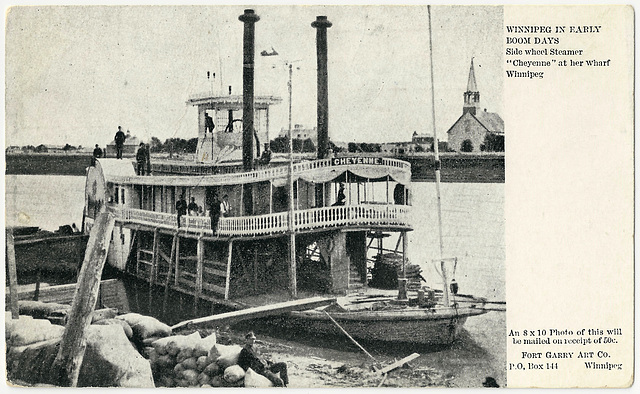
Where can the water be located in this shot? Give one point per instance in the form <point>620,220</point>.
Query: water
<point>45,201</point>
<point>473,231</point>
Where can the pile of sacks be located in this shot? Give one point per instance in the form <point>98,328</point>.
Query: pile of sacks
<point>193,361</point>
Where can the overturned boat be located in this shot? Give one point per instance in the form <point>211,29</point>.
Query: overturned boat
<point>295,225</point>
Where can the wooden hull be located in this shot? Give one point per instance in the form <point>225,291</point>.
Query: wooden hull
<point>412,325</point>
<point>55,254</point>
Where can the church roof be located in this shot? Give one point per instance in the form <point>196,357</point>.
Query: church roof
<point>491,121</point>
<point>471,84</point>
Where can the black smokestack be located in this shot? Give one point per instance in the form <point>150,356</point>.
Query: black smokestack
<point>322,24</point>
<point>249,18</point>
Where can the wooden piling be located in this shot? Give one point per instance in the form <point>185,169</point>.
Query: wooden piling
<point>13,276</point>
<point>66,366</point>
<point>228,278</point>
<point>199,273</point>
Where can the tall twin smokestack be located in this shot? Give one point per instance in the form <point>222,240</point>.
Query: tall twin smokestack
<point>249,18</point>
<point>322,24</point>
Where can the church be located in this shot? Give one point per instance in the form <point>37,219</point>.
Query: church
<point>476,130</point>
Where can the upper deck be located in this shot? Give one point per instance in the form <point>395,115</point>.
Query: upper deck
<point>375,192</point>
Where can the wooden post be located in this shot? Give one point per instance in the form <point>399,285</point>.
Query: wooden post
<point>177,270</point>
<point>199,273</point>
<point>168,278</point>
<point>255,269</point>
<point>228,278</point>
<point>153,274</point>
<point>66,366</point>
<point>402,281</point>
<point>13,276</point>
<point>139,244</point>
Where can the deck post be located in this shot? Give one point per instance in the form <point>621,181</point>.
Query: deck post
<point>13,276</point>
<point>138,242</point>
<point>228,278</point>
<point>255,269</point>
<point>154,258</point>
<point>168,278</point>
<point>402,282</point>
<point>66,366</point>
<point>177,270</point>
<point>199,273</point>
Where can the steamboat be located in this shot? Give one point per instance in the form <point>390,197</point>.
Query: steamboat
<point>296,226</point>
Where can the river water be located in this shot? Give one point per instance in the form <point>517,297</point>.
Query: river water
<point>473,231</point>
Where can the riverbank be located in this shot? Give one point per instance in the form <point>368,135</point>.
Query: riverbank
<point>318,367</point>
<point>456,167</point>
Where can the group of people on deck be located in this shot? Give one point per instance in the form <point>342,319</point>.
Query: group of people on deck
<point>216,210</point>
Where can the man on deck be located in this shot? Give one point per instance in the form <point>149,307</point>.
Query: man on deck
<point>141,159</point>
<point>119,139</point>
<point>208,123</point>
<point>181,208</point>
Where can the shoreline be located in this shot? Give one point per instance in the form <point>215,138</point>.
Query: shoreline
<point>456,167</point>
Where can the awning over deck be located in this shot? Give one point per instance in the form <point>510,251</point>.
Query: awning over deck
<point>317,171</point>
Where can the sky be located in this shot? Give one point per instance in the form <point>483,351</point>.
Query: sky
<point>73,74</point>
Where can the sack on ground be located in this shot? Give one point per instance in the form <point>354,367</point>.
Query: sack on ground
<point>255,380</point>
<point>228,355</point>
<point>233,373</point>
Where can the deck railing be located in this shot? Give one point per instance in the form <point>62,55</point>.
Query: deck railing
<point>244,177</point>
<point>308,219</point>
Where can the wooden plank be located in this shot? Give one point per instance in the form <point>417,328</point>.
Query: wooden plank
<point>212,287</point>
<point>214,271</point>
<point>13,276</point>
<point>260,311</point>
<point>200,253</point>
<point>174,245</point>
<point>228,280</point>
<point>154,257</point>
<point>398,363</point>
<point>177,270</point>
<point>164,256</point>
<point>66,366</point>
<point>215,263</point>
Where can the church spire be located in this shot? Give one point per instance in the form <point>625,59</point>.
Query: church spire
<point>472,95</point>
<point>471,85</point>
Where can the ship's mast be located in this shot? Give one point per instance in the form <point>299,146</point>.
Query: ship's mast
<point>445,290</point>
<point>292,234</point>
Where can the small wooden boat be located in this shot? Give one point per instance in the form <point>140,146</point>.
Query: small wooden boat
<point>388,320</point>
<point>59,253</point>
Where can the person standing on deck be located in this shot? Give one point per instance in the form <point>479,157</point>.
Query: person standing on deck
<point>148,156</point>
<point>208,123</point>
<point>341,197</point>
<point>181,208</point>
<point>225,208</point>
<point>97,153</point>
<point>193,207</point>
<point>141,159</point>
<point>250,358</point>
<point>214,213</point>
<point>119,139</point>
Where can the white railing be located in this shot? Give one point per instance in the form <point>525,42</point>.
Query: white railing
<point>308,219</point>
<point>244,177</point>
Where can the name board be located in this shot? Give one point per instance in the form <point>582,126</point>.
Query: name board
<point>345,161</point>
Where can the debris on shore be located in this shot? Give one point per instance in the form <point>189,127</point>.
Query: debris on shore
<point>133,350</point>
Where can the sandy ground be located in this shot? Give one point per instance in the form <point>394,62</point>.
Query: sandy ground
<point>325,368</point>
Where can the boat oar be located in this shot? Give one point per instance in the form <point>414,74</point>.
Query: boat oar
<point>375,367</point>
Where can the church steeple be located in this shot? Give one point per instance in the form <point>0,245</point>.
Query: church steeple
<point>471,96</point>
